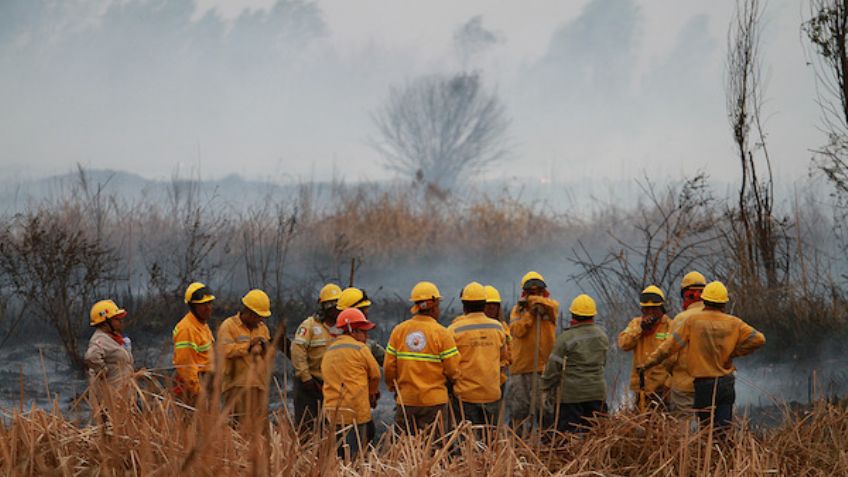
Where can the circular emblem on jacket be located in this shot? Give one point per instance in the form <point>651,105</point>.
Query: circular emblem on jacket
<point>416,341</point>
<point>317,330</point>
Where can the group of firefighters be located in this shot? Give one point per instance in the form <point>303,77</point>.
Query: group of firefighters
<point>474,369</point>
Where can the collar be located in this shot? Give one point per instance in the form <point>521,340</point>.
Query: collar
<point>575,323</point>
<point>427,318</point>
<point>348,339</point>
<point>194,321</point>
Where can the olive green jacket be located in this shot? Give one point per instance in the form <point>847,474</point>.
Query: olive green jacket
<point>582,348</point>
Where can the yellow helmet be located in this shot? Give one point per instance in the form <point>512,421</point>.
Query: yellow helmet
<point>424,291</point>
<point>715,292</point>
<point>197,293</point>
<point>652,296</point>
<point>583,305</point>
<point>103,310</point>
<point>352,298</point>
<point>693,279</point>
<point>258,302</point>
<point>492,294</point>
<point>329,292</point>
<point>536,277</point>
<point>473,292</point>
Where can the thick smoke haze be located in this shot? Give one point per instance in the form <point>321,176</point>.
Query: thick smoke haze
<point>285,89</point>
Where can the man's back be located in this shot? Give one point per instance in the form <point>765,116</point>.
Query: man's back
<point>481,344</point>
<point>714,339</point>
<point>420,356</point>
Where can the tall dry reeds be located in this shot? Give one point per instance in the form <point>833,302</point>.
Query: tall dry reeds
<point>155,435</point>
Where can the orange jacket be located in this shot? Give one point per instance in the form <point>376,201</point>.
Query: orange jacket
<point>522,327</point>
<point>194,352</point>
<point>714,339</point>
<point>241,368</point>
<point>308,348</point>
<point>642,345</point>
<point>351,376</point>
<point>420,358</point>
<point>482,348</point>
<point>681,380</point>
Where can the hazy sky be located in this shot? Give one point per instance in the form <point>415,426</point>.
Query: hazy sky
<point>602,88</point>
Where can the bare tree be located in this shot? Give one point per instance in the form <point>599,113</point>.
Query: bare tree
<point>759,235</point>
<point>55,269</point>
<point>675,232</point>
<point>827,32</point>
<point>436,129</point>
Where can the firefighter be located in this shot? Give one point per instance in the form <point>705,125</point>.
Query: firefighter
<point>421,358</point>
<point>713,338</point>
<point>642,336</point>
<point>574,375</point>
<point>357,298</point>
<point>194,351</point>
<point>532,325</point>
<point>307,349</point>
<point>493,311</point>
<point>681,396</point>
<point>109,357</point>
<point>245,341</point>
<point>351,380</point>
<point>481,342</point>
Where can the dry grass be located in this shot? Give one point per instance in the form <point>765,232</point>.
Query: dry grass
<point>163,437</point>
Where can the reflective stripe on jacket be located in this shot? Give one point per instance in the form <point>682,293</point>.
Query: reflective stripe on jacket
<point>582,348</point>
<point>481,342</point>
<point>193,351</point>
<point>642,345</point>
<point>241,368</point>
<point>351,376</point>
<point>522,326</point>
<point>308,347</point>
<point>420,358</point>
<point>714,339</point>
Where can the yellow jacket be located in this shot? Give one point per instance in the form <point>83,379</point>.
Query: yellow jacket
<point>507,359</point>
<point>241,368</point>
<point>714,339</point>
<point>481,342</point>
<point>308,348</point>
<point>681,380</point>
<point>522,327</point>
<point>351,376</point>
<point>642,345</point>
<point>194,352</point>
<point>420,357</point>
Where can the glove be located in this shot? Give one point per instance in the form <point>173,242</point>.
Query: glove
<point>648,323</point>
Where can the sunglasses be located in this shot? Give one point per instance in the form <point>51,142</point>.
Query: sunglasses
<point>650,298</point>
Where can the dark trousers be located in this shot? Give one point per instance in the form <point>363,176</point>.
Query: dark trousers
<point>716,395</point>
<point>411,419</point>
<point>355,437</point>
<point>306,402</point>
<point>572,416</point>
<point>478,413</point>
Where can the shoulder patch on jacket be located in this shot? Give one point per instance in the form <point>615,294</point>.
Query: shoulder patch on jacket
<point>416,341</point>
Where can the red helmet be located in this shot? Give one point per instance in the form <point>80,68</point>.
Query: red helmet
<point>353,318</point>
